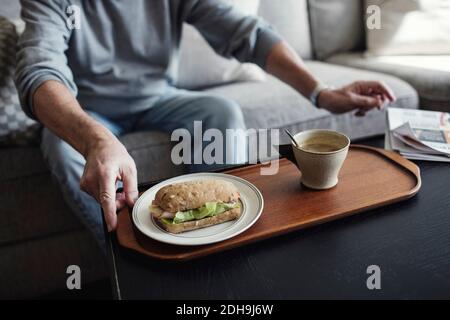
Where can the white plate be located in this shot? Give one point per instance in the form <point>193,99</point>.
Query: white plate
<point>251,199</point>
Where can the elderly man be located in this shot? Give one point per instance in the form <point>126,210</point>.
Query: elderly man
<point>115,73</point>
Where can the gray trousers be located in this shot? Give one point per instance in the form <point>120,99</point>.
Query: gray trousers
<point>179,109</point>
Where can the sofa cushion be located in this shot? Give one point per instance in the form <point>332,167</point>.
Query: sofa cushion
<point>151,151</point>
<point>16,129</point>
<point>336,26</point>
<point>429,75</point>
<point>33,207</point>
<point>291,19</point>
<point>199,66</point>
<point>409,27</point>
<point>10,9</point>
<point>20,162</point>
<point>273,104</point>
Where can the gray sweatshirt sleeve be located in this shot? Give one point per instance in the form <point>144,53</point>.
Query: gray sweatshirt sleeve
<point>41,48</point>
<point>230,33</point>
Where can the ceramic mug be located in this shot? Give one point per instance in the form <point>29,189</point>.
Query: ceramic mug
<point>320,155</point>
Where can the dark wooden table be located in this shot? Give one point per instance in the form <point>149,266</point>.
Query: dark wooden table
<point>409,241</point>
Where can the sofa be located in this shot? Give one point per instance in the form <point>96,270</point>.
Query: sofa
<point>40,237</point>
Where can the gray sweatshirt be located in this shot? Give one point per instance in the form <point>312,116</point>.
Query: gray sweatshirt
<point>125,53</point>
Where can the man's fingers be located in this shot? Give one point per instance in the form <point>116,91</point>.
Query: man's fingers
<point>366,103</point>
<point>378,87</point>
<point>120,201</point>
<point>385,91</point>
<point>129,179</point>
<point>381,102</point>
<point>107,199</point>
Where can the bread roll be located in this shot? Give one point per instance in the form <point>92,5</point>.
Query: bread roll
<point>192,195</point>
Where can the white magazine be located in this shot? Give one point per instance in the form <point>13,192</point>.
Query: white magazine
<point>418,134</point>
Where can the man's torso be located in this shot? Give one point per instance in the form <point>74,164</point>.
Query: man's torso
<point>124,50</point>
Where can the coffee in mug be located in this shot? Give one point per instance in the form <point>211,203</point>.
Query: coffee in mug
<point>318,147</point>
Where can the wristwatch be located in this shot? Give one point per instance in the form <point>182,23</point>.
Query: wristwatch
<point>317,90</point>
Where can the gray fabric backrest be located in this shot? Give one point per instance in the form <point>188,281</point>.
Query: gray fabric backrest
<point>336,26</point>
<point>290,18</point>
<point>10,9</point>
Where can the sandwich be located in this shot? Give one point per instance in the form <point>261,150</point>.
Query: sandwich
<point>187,206</point>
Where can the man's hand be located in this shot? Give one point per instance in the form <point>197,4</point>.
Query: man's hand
<point>284,63</point>
<point>107,161</point>
<point>361,95</point>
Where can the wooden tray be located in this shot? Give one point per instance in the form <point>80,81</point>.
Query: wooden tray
<point>370,178</point>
